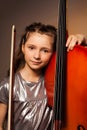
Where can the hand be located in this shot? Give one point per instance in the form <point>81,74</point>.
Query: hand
<point>75,39</point>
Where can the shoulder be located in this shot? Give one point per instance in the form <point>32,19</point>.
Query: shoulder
<point>4,84</point>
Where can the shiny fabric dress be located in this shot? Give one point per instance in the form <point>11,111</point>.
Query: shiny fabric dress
<point>30,104</point>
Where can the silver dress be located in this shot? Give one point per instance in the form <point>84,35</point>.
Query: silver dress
<point>30,104</point>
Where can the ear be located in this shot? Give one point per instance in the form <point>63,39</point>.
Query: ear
<point>23,48</point>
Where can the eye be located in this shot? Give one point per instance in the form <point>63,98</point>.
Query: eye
<point>45,50</point>
<point>31,47</point>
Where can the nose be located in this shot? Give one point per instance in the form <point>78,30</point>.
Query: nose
<point>37,54</point>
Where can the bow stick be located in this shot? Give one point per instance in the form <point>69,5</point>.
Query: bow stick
<point>11,79</point>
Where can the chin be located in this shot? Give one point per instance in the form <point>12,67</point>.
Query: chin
<point>37,68</point>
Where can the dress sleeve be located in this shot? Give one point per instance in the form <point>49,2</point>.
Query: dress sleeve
<point>4,85</point>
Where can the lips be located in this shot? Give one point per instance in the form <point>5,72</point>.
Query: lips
<point>36,63</point>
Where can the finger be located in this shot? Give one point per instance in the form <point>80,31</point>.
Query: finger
<point>80,38</point>
<point>72,43</point>
<point>68,40</point>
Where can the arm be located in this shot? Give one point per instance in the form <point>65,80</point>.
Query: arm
<point>75,39</point>
<point>3,111</point>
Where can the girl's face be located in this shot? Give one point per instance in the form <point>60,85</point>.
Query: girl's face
<point>37,50</point>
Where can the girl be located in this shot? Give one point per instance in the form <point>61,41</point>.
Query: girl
<point>31,111</point>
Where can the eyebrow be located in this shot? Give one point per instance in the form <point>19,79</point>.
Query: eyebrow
<point>43,47</point>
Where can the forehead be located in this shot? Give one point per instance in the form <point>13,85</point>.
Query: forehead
<point>38,34</point>
<point>36,37</point>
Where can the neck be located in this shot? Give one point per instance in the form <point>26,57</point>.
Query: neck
<point>30,74</point>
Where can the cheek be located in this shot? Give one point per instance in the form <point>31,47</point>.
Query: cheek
<point>27,56</point>
<point>47,58</point>
<point>28,53</point>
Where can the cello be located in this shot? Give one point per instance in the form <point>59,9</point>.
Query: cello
<point>67,97</point>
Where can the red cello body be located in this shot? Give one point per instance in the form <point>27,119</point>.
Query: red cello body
<point>76,88</point>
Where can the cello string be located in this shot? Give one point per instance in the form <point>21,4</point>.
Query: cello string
<point>60,52</point>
